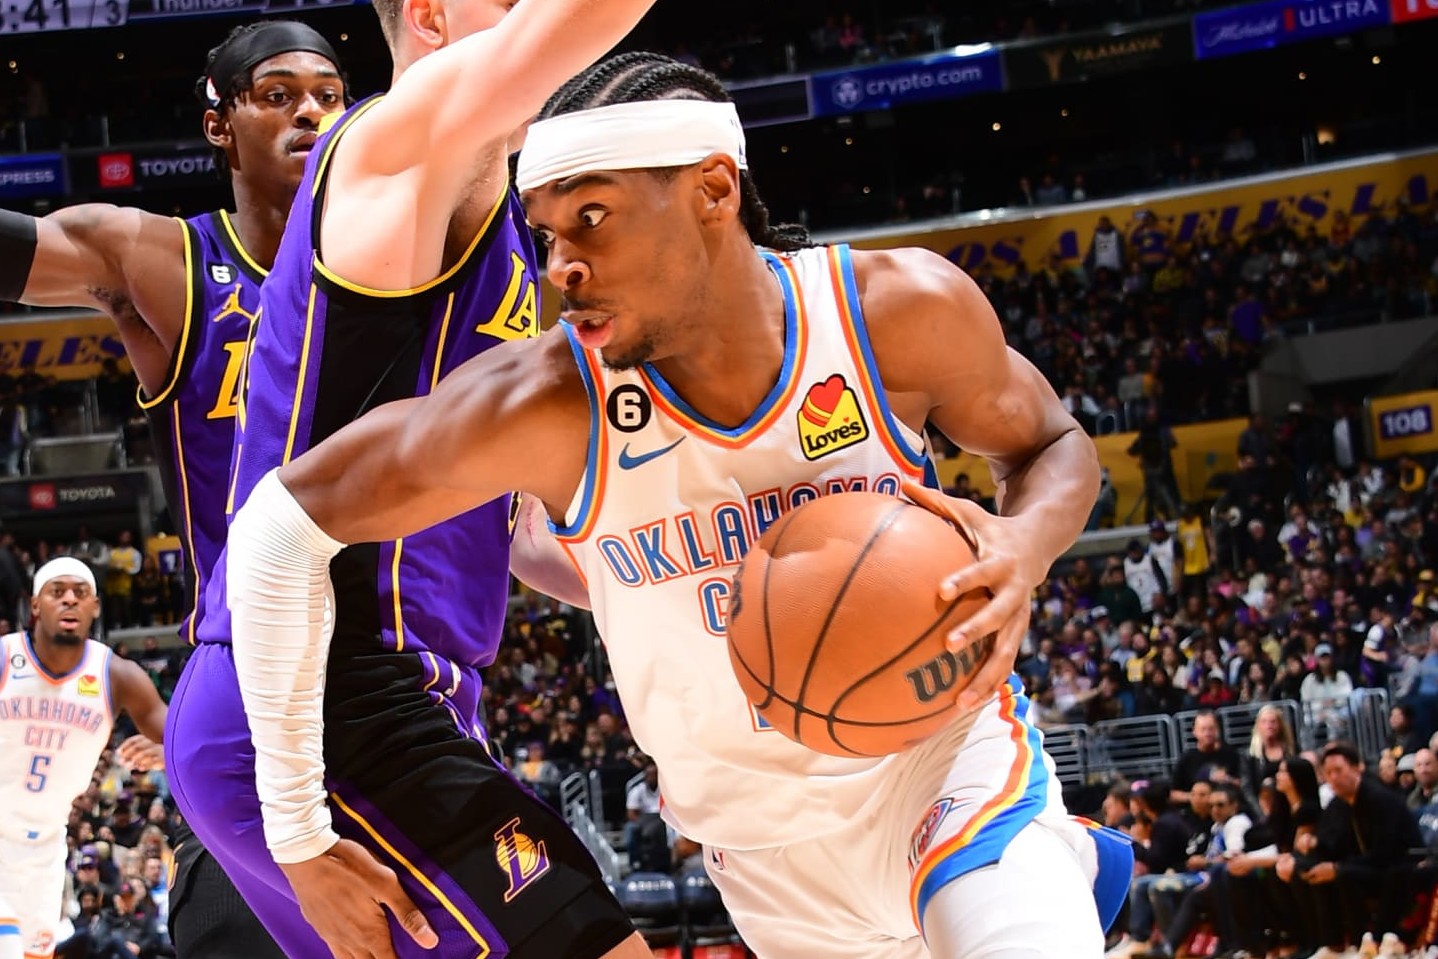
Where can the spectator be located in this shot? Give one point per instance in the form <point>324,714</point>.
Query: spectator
<point>14,434</point>
<point>1160,846</point>
<point>641,806</point>
<point>1209,759</point>
<point>127,929</point>
<point>1364,836</point>
<point>1423,800</point>
<point>123,563</point>
<point>1154,449</point>
<point>1141,573</point>
<point>1328,689</point>
<point>1271,743</point>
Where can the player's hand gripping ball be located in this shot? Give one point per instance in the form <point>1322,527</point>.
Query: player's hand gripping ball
<point>836,632</point>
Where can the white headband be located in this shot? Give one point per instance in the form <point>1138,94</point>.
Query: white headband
<point>629,136</point>
<point>63,566</point>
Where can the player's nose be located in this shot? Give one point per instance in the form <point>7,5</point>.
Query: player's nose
<point>566,270</point>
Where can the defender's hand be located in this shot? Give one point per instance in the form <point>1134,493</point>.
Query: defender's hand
<point>140,752</point>
<point>343,894</point>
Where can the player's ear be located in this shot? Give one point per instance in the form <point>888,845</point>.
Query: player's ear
<point>719,187</point>
<point>217,129</point>
<point>425,19</point>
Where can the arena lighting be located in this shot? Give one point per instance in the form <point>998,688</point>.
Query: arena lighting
<point>1064,112</point>
<point>848,141</point>
<point>784,148</point>
<point>119,54</point>
<point>1377,60</point>
<point>1302,75</point>
<point>344,38</point>
<point>997,126</point>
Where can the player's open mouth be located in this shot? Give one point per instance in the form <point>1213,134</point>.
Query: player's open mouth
<point>69,622</point>
<point>591,327</point>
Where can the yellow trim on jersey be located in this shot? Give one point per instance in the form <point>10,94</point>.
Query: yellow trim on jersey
<point>175,431</point>
<point>434,665</point>
<point>394,582</point>
<point>421,878</point>
<point>780,404</point>
<point>894,445</point>
<point>459,264</point>
<point>300,379</point>
<point>322,167</point>
<point>177,360</point>
<point>443,334</point>
<point>240,246</point>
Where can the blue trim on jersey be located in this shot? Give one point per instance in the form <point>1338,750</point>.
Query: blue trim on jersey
<point>994,837</point>
<point>41,666</point>
<point>786,372</point>
<point>1115,869</point>
<point>105,672</point>
<point>596,424</point>
<point>931,475</point>
<point>10,930</point>
<point>861,336</point>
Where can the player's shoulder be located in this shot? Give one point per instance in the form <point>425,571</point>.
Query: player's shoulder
<point>896,282</point>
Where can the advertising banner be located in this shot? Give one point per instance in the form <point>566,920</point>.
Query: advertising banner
<point>178,164</point>
<point>1001,239</point>
<point>1087,56</point>
<point>1405,11</point>
<point>960,72</point>
<point>99,492</point>
<point>34,174</point>
<point>68,346</point>
<point>1262,26</point>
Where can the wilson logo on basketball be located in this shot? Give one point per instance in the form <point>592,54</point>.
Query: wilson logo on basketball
<point>939,674</point>
<point>830,419</point>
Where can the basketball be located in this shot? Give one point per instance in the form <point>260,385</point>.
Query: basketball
<point>836,630</point>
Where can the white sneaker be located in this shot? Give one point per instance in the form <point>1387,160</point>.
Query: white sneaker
<point>1392,946</point>
<point>1122,949</point>
<point>1368,949</point>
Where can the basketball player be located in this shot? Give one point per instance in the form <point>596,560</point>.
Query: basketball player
<point>405,254</point>
<point>682,406</point>
<point>59,694</point>
<point>183,294</point>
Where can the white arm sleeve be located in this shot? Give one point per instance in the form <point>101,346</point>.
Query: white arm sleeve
<point>281,600</point>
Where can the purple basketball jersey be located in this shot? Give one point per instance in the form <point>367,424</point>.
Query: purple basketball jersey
<point>193,417</point>
<point>326,352</point>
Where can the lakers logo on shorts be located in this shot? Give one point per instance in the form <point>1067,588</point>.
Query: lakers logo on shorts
<point>523,859</point>
<point>830,419</point>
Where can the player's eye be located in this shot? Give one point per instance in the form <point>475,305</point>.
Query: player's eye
<point>592,217</point>
<point>543,235</point>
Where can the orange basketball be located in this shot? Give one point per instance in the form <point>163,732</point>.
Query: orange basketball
<point>836,629</point>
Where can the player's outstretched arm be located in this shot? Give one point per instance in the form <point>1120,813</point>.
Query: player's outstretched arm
<point>136,695</point>
<point>453,103</point>
<point>514,417</point>
<point>126,263</point>
<point>936,336</point>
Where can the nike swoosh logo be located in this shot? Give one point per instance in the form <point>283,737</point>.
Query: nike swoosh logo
<point>627,462</point>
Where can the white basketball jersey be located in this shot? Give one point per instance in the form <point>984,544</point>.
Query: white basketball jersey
<point>52,731</point>
<point>669,504</point>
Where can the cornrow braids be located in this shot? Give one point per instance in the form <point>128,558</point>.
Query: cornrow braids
<point>640,76</point>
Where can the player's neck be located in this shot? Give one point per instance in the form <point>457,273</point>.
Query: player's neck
<point>57,658</point>
<point>259,220</point>
<point>734,348</point>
